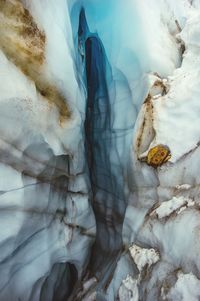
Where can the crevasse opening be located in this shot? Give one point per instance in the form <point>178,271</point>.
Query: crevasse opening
<point>110,115</point>
<point>113,56</point>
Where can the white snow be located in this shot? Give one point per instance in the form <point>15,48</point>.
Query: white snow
<point>162,51</point>
<point>183,187</point>
<point>144,257</point>
<point>170,195</point>
<point>129,290</point>
<point>168,207</point>
<point>175,123</point>
<point>187,288</point>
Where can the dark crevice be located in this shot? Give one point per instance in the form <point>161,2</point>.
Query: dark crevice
<point>107,184</point>
<point>59,285</point>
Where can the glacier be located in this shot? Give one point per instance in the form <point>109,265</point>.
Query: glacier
<point>99,150</point>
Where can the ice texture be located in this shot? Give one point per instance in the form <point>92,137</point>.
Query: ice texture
<point>92,94</point>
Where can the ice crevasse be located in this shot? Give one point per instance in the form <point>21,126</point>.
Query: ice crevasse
<point>99,150</point>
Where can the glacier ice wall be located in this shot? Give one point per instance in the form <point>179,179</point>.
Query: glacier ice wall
<point>106,148</point>
<point>99,148</point>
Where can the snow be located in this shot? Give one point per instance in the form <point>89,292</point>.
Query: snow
<point>172,112</point>
<point>186,288</point>
<point>162,51</point>
<point>129,290</point>
<point>163,210</point>
<point>143,257</point>
<point>183,187</point>
<point>168,207</point>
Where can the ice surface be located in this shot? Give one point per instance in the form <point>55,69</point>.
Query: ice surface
<point>129,290</point>
<point>82,215</point>
<point>186,287</point>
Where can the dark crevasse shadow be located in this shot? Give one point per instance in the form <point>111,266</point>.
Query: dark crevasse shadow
<point>59,284</point>
<point>102,143</point>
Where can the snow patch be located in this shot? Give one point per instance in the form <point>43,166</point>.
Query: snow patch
<point>186,288</point>
<point>129,290</point>
<point>168,207</point>
<point>144,257</point>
